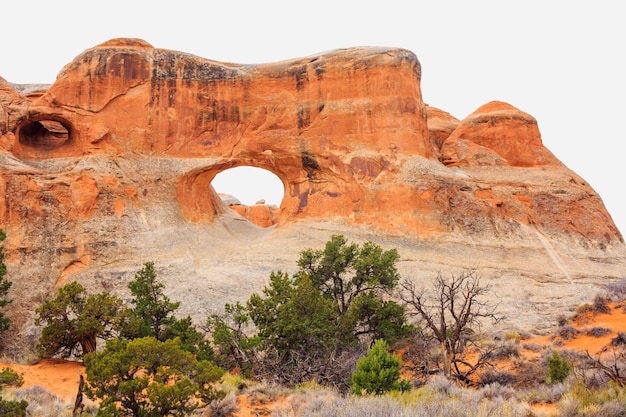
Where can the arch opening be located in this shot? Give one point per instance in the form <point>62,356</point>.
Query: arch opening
<point>255,193</point>
<point>45,134</point>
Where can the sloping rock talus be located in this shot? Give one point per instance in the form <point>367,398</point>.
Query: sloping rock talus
<point>111,166</point>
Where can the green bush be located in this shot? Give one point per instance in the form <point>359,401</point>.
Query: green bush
<point>378,372</point>
<point>314,324</point>
<point>147,377</point>
<point>9,408</point>
<point>74,321</point>
<point>558,368</point>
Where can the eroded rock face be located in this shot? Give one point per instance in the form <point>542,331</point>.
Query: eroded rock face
<point>112,166</point>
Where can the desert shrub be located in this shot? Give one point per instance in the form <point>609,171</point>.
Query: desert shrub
<point>441,384</point>
<point>515,336</point>
<point>568,332</point>
<point>601,304</point>
<point>8,377</point>
<point>508,349</point>
<point>223,407</point>
<point>619,340</point>
<point>492,376</point>
<point>8,407</point>
<point>231,382</point>
<point>558,368</point>
<point>546,393</point>
<point>581,401</point>
<point>41,402</point>
<point>584,309</point>
<point>495,390</point>
<point>425,402</point>
<point>533,347</point>
<point>310,401</point>
<point>561,320</point>
<point>583,313</point>
<point>597,331</point>
<point>617,290</point>
<point>528,374</point>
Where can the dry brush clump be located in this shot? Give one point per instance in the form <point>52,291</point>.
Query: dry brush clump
<point>441,397</point>
<point>616,290</point>
<point>42,402</point>
<point>582,401</point>
<point>597,331</point>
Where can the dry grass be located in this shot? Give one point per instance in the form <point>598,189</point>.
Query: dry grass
<point>43,403</point>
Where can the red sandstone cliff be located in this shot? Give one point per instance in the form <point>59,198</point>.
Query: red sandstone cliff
<point>113,164</point>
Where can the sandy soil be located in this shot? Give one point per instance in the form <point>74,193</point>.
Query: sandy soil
<point>57,376</point>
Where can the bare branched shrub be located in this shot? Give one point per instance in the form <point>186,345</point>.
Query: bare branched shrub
<point>421,357</point>
<point>611,363</point>
<point>324,367</point>
<point>452,314</point>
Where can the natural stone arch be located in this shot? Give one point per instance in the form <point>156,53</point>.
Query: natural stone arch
<point>200,203</point>
<point>250,185</point>
<point>253,193</point>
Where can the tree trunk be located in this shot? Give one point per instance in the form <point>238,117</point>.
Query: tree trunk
<point>88,345</point>
<point>78,404</point>
<point>446,360</point>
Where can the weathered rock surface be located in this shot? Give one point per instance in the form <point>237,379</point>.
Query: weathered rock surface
<point>112,166</point>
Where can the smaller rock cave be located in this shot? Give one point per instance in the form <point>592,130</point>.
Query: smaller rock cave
<point>45,134</point>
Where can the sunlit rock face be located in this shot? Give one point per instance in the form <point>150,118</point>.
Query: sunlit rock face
<point>111,166</point>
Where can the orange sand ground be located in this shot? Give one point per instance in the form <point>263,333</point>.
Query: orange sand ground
<point>56,375</point>
<point>61,377</point>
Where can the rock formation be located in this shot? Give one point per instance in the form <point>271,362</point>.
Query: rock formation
<point>111,166</point>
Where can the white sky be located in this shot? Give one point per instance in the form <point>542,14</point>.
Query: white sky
<point>563,62</point>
